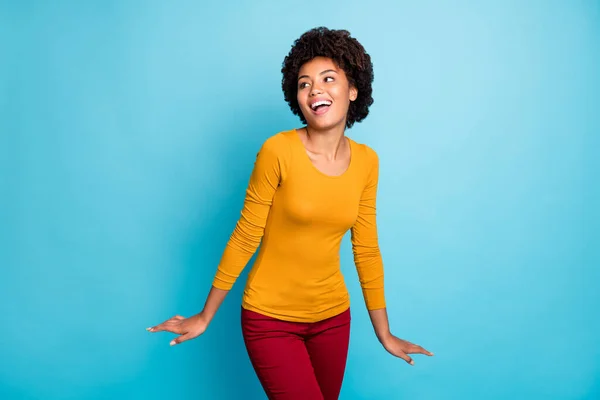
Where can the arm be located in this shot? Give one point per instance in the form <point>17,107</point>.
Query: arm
<point>244,241</point>
<point>213,302</point>
<point>369,265</point>
<point>381,325</point>
<point>365,242</point>
<point>249,230</point>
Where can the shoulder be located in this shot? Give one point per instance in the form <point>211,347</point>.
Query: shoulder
<point>278,144</point>
<point>276,150</point>
<point>367,153</point>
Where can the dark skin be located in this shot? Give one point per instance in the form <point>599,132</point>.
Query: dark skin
<point>328,149</point>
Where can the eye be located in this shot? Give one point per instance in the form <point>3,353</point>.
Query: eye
<point>329,77</point>
<point>303,85</point>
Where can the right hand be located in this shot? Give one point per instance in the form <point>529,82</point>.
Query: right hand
<point>187,328</point>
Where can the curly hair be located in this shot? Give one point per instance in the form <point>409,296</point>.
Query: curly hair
<point>346,52</point>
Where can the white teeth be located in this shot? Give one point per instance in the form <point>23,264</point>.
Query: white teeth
<point>320,103</point>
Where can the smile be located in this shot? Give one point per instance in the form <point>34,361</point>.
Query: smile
<point>320,107</point>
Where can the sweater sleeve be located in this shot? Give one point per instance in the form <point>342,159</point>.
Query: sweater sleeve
<point>365,244</point>
<point>249,229</point>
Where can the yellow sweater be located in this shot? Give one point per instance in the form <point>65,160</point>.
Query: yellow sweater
<point>301,216</point>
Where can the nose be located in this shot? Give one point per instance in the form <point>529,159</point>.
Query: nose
<point>315,90</point>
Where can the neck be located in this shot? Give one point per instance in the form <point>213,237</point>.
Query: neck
<point>326,142</point>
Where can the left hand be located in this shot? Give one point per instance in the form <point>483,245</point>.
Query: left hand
<point>402,348</point>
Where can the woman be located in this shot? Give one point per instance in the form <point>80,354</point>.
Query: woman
<point>309,186</point>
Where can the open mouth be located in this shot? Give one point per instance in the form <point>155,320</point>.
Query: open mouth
<point>320,107</point>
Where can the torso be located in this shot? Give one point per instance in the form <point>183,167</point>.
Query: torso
<point>296,275</point>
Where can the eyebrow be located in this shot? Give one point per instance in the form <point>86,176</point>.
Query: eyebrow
<point>324,72</point>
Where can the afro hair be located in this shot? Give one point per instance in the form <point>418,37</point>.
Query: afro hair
<point>346,52</point>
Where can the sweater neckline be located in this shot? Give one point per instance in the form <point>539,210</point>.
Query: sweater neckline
<point>296,135</point>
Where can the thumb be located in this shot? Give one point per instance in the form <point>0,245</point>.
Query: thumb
<point>406,358</point>
<point>180,339</point>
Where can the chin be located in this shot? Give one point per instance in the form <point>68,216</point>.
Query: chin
<point>324,124</point>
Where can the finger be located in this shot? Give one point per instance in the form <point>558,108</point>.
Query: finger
<point>173,320</point>
<point>165,327</point>
<point>420,350</point>
<point>161,327</point>
<point>426,352</point>
<point>152,328</point>
<point>180,339</point>
<point>157,328</point>
<point>405,357</point>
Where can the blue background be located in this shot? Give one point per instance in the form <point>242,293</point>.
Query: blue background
<point>128,133</point>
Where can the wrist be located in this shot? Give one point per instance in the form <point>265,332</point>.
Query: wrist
<point>384,336</point>
<point>204,317</point>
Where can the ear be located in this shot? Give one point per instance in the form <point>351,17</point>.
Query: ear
<point>353,93</point>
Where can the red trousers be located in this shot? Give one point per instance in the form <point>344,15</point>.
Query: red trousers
<point>298,360</point>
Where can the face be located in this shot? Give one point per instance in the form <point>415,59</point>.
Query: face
<point>324,93</point>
